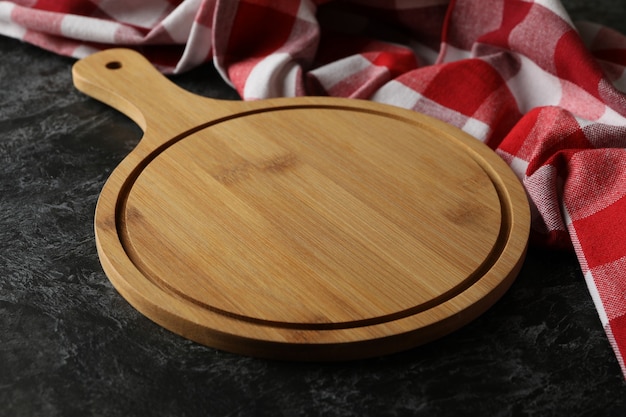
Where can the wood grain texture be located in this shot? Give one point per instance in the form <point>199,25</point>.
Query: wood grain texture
<point>302,228</point>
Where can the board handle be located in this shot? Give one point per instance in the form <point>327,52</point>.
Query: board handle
<point>128,82</point>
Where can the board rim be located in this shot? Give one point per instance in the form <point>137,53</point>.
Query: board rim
<point>190,325</point>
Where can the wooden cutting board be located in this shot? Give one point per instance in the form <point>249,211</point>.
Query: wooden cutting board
<point>300,228</point>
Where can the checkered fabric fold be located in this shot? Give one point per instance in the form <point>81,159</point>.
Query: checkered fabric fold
<point>546,94</point>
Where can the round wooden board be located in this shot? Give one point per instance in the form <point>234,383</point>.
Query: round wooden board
<point>309,228</point>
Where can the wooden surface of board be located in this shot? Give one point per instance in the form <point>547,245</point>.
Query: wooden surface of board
<point>300,228</point>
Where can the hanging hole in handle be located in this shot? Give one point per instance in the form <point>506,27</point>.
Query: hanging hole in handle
<point>113,65</point>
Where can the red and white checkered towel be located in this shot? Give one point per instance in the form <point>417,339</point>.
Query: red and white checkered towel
<point>546,94</point>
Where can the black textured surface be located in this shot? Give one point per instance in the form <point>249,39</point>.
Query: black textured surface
<point>71,346</point>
